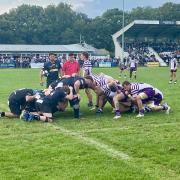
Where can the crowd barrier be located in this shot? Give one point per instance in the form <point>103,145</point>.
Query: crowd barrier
<point>152,64</point>
<point>7,65</point>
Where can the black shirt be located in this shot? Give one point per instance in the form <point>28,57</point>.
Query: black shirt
<point>20,95</point>
<point>52,71</point>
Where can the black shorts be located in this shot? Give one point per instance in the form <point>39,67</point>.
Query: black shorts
<point>14,106</point>
<point>173,70</point>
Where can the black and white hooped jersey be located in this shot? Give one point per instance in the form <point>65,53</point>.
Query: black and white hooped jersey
<point>99,80</point>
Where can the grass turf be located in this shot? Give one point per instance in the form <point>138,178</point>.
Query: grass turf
<point>94,147</point>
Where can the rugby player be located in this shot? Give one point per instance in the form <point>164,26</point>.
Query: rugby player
<point>18,101</point>
<point>123,68</point>
<point>141,93</point>
<point>77,83</point>
<point>87,71</point>
<point>51,70</point>
<point>173,70</point>
<point>46,106</point>
<point>133,67</point>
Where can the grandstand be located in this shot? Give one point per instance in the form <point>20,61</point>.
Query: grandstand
<point>150,36</point>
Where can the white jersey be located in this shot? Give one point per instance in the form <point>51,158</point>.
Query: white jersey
<point>106,77</point>
<point>132,63</point>
<point>173,64</point>
<point>137,88</point>
<point>99,80</point>
<point>87,67</point>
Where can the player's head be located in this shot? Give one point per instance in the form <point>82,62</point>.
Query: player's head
<point>84,56</point>
<point>126,85</point>
<point>66,89</point>
<point>52,57</point>
<point>71,57</point>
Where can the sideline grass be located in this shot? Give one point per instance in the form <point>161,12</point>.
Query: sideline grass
<point>52,151</point>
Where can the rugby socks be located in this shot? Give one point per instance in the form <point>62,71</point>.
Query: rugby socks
<point>2,114</point>
<point>164,107</point>
<point>117,113</point>
<point>141,111</point>
<point>90,104</point>
<point>36,117</point>
<point>99,111</point>
<point>76,113</point>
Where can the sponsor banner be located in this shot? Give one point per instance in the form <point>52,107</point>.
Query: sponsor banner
<point>7,65</point>
<point>37,65</point>
<point>153,64</point>
<point>146,22</point>
<point>168,22</point>
<point>104,64</point>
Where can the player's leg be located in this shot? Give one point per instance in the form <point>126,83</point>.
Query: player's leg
<point>140,104</point>
<point>90,97</point>
<point>131,71</point>
<point>124,108</point>
<point>15,110</point>
<point>171,77</point>
<point>121,72</point>
<point>135,74</point>
<point>8,114</point>
<point>174,77</point>
<point>158,107</point>
<point>116,99</point>
<point>76,107</point>
<point>145,96</point>
<point>125,72</point>
<point>101,103</point>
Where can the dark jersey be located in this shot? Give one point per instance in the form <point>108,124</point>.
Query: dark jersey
<point>20,95</point>
<point>69,82</point>
<point>49,103</point>
<point>52,71</point>
<point>17,100</point>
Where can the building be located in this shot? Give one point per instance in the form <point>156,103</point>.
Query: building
<point>14,50</point>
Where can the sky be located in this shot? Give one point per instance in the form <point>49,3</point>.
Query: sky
<point>92,8</point>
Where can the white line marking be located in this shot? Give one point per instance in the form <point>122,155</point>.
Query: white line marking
<point>103,129</point>
<point>98,145</point>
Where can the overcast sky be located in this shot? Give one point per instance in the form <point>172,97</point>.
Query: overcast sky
<point>92,8</point>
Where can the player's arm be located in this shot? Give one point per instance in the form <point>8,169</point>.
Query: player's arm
<point>60,70</point>
<point>132,98</point>
<point>76,88</point>
<point>70,96</point>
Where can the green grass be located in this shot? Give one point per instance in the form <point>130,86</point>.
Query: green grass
<point>91,148</point>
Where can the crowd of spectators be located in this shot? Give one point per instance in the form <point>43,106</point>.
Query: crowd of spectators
<point>138,50</point>
<point>24,62</point>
